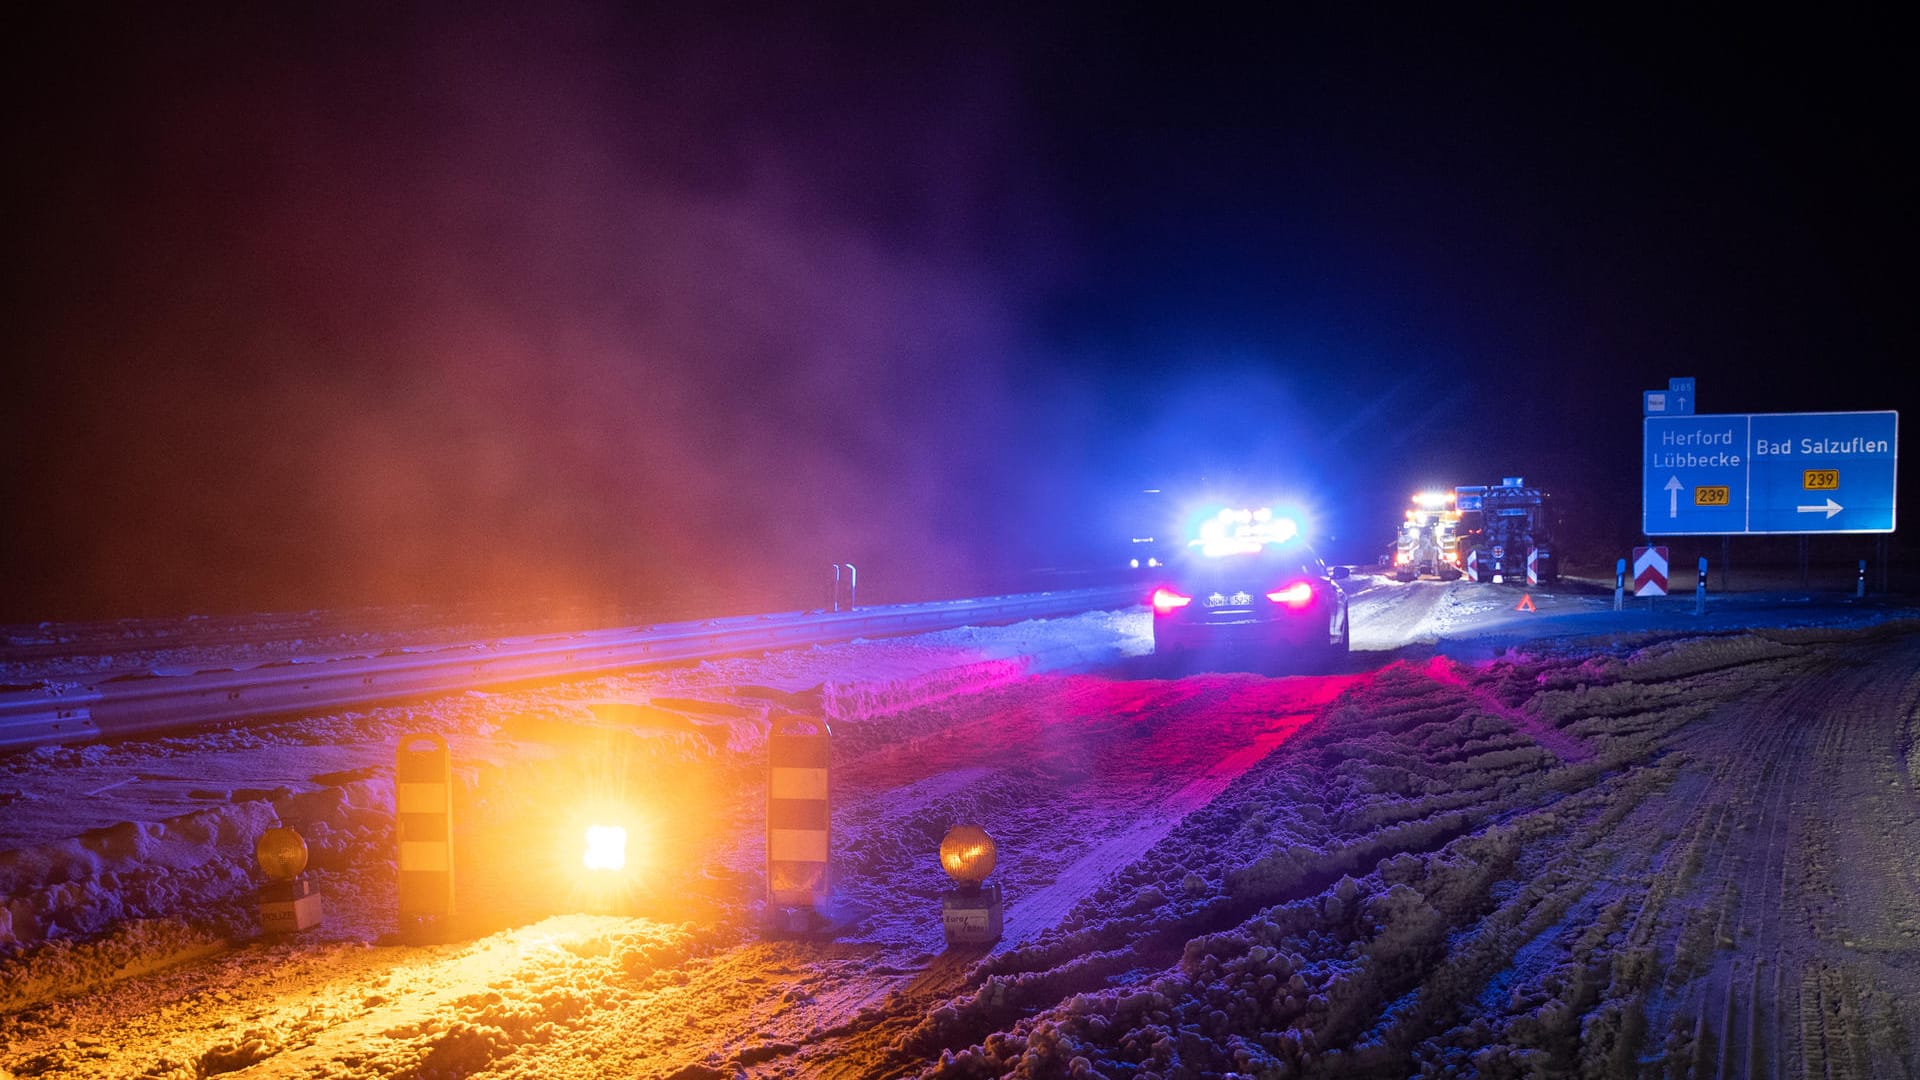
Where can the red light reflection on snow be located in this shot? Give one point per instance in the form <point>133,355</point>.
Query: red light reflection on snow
<point>1122,736</point>
<point>1563,745</point>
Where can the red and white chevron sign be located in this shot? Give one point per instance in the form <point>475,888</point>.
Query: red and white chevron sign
<point>1649,571</point>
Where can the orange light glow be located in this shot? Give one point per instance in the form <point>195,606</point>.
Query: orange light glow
<point>282,853</point>
<point>606,848</point>
<point>967,854</point>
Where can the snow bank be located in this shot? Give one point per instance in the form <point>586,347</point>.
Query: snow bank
<point>144,870</point>
<point>1319,900</point>
<point>131,948</point>
<point>713,714</point>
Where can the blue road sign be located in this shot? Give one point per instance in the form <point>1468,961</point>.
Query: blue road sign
<point>1666,402</point>
<point>1680,396</point>
<point>1717,475</point>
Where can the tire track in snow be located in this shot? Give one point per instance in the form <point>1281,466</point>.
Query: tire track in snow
<point>1673,815</point>
<point>1662,942</point>
<point>1727,1031</point>
<point>841,1051</point>
<point>1567,748</point>
<point>1859,906</point>
<point>1742,911</point>
<point>1391,615</point>
<point>1044,910</point>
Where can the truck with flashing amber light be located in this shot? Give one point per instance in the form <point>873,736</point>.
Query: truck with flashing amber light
<point>1427,544</point>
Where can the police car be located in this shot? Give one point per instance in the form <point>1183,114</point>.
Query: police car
<point>1249,583</point>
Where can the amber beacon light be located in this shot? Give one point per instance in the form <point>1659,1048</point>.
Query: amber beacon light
<point>967,854</point>
<point>288,903</point>
<point>971,913</point>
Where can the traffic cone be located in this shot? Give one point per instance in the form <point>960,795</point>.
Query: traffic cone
<point>1526,603</point>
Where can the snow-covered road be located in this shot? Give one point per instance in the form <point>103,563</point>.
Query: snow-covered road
<point>1504,843</point>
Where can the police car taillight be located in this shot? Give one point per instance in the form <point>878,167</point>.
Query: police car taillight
<point>1298,594</point>
<point>1166,600</point>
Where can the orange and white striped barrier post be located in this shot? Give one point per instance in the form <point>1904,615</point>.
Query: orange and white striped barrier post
<point>799,823</point>
<point>423,815</point>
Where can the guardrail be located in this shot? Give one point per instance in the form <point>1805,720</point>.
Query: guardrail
<point>151,702</point>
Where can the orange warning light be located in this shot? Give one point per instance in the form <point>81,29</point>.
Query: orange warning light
<point>606,848</point>
<point>967,854</point>
<point>281,852</point>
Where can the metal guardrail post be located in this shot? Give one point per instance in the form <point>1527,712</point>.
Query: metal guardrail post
<point>852,575</point>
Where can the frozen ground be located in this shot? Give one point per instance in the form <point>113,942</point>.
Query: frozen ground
<point>1504,843</point>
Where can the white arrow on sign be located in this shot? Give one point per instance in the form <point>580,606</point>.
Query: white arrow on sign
<point>1830,509</point>
<point>1673,497</point>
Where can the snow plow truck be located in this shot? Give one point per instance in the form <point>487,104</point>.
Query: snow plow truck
<point>1505,534</point>
<point>1427,544</point>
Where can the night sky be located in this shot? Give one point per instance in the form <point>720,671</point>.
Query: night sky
<point>340,304</point>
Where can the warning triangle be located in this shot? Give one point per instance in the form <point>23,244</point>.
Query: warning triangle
<point>1526,604</point>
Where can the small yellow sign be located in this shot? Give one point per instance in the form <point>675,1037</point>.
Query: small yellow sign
<point>1822,479</point>
<point>1712,496</point>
